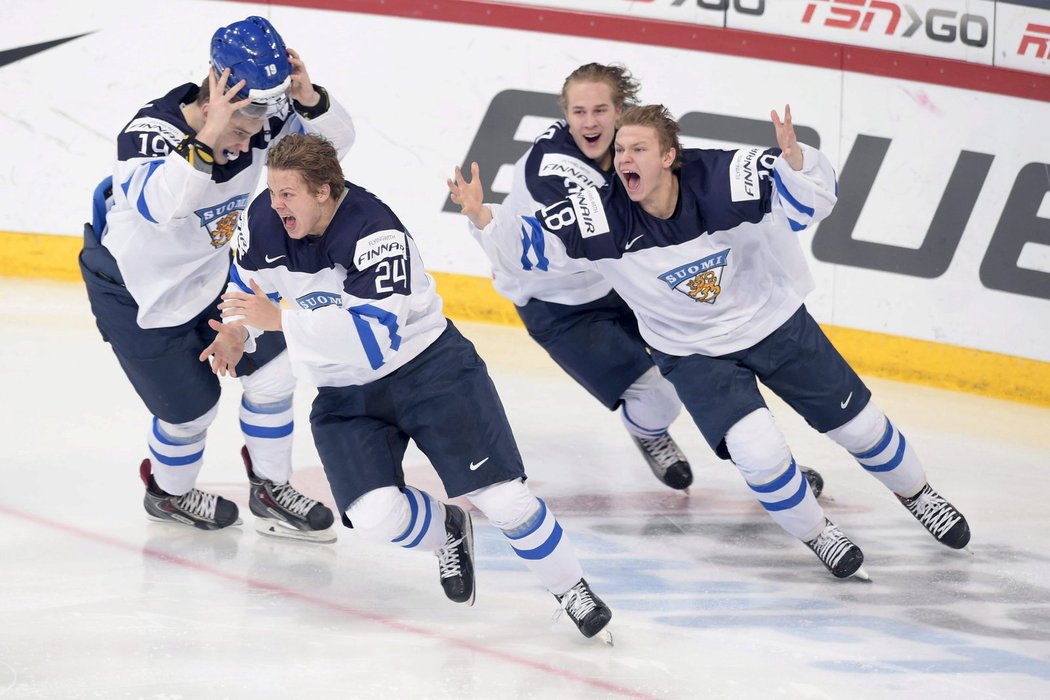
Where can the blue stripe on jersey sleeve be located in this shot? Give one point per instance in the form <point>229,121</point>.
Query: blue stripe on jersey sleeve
<point>360,314</point>
<point>532,238</point>
<point>786,194</point>
<point>140,204</point>
<point>236,278</point>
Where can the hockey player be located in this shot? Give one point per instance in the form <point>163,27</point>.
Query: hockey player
<point>364,324</point>
<point>157,261</point>
<point>702,245</point>
<point>566,306</point>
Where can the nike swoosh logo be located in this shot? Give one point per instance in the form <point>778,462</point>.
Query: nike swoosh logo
<point>846,402</point>
<point>475,466</point>
<point>12,55</point>
<point>272,260</point>
<point>632,242</point>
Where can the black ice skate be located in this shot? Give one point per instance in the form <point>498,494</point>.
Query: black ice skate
<point>587,611</point>
<point>198,509</point>
<point>816,481</point>
<point>841,557</point>
<point>666,460</point>
<point>281,511</point>
<point>456,558</point>
<point>939,517</point>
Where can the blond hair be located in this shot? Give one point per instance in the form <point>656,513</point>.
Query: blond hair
<point>618,78</point>
<point>659,120</point>
<point>313,157</point>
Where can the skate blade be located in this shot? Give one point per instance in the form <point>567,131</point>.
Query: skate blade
<point>861,574</point>
<point>174,521</point>
<point>278,530</point>
<point>605,636</point>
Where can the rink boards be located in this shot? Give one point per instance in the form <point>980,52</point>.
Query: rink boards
<point>935,266</point>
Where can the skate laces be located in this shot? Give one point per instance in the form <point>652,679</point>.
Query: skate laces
<point>291,500</point>
<point>662,449</point>
<point>448,558</point>
<point>830,545</point>
<point>577,602</point>
<point>198,503</point>
<point>935,513</point>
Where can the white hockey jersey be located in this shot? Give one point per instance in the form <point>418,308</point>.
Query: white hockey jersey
<point>170,225</point>
<point>726,269</point>
<point>522,266</point>
<point>358,303</point>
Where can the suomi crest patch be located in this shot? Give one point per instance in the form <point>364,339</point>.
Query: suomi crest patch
<point>700,280</point>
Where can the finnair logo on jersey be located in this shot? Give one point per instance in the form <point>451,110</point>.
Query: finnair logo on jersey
<point>220,221</point>
<point>573,170</point>
<point>379,246</point>
<point>317,300</point>
<point>700,280</point>
<point>156,126</point>
<point>590,215</point>
<point>743,175</point>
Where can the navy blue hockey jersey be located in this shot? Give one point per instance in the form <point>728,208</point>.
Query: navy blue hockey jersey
<point>357,302</point>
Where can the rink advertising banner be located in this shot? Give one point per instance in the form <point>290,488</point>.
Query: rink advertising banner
<point>935,265</point>
<point>1005,33</point>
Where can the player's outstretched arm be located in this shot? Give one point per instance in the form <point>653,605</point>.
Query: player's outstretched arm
<point>470,195</point>
<point>790,150</point>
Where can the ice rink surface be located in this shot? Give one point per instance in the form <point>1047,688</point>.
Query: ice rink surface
<point>709,597</point>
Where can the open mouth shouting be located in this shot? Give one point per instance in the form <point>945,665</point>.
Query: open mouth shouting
<point>631,180</point>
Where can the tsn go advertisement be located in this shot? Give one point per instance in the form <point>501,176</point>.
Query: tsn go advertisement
<point>1011,34</point>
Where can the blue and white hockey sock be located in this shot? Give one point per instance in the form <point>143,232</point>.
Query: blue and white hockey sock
<point>649,405</point>
<point>546,550</point>
<point>790,503</point>
<point>533,532</point>
<point>177,451</point>
<point>762,456</point>
<point>267,430</point>
<point>882,450</point>
<point>425,529</point>
<point>412,519</point>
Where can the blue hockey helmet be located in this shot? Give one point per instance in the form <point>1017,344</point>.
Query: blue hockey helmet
<point>253,51</point>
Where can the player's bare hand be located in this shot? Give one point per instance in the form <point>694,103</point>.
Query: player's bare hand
<point>302,90</point>
<point>227,348</point>
<point>222,105</point>
<point>470,195</point>
<point>256,309</point>
<point>789,147</point>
